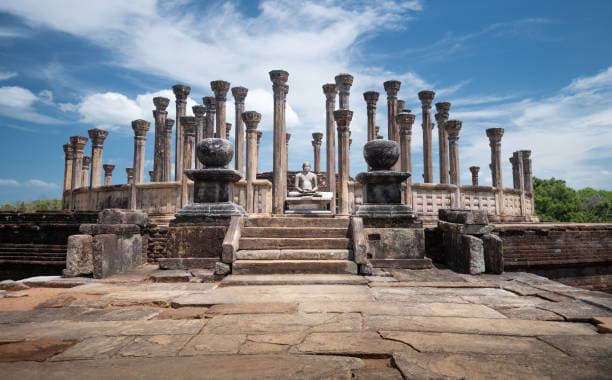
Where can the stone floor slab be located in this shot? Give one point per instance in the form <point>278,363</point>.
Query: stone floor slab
<point>155,346</point>
<point>94,348</point>
<point>604,324</point>
<point>294,279</point>
<point>590,345</point>
<point>366,344</point>
<point>211,344</point>
<point>377,374</point>
<point>431,284</point>
<point>176,275</point>
<point>576,310</point>
<point>254,308</point>
<point>530,313</point>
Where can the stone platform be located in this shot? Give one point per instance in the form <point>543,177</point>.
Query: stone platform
<point>430,323</point>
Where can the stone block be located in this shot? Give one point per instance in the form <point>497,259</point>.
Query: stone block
<point>114,254</point>
<point>222,268</point>
<point>493,250</point>
<point>395,243</point>
<point>121,216</point>
<point>196,241</point>
<point>470,259</point>
<point>79,256</point>
<point>460,216</point>
<point>118,229</point>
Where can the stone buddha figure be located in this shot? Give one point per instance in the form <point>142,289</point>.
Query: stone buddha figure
<point>306,183</point>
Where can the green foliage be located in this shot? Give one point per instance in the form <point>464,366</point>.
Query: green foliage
<point>556,202</point>
<point>37,205</point>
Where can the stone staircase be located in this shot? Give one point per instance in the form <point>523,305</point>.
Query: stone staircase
<point>286,245</point>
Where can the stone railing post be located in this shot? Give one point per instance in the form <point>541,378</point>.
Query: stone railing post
<point>200,120</point>
<point>343,84</point>
<point>220,89</point>
<point>474,170</point>
<point>181,92</point>
<point>130,175</point>
<point>85,171</point>
<point>108,174</point>
<point>528,175</point>
<point>239,94</point>
<point>371,97</point>
<point>160,114</point>
<point>343,120</point>
<point>443,109</point>
<point>167,159</point>
<point>78,145</point>
<point>259,134</point>
<point>426,97</point>
<point>452,129</point>
<point>251,119</point>
<point>68,158</point>
<point>140,127</point>
<point>392,87</point>
<point>211,109</point>
<point>279,171</point>
<point>330,92</point>
<point>495,136</point>
<point>97,137</point>
<point>317,141</point>
<point>405,121</point>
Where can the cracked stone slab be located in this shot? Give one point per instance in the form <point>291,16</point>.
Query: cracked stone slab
<point>254,308</point>
<point>169,275</point>
<point>96,347</point>
<point>377,374</point>
<point>576,310</point>
<point>214,366</point>
<point>530,313</point>
<point>515,327</point>
<point>402,308</point>
<point>366,343</point>
<point>77,314</point>
<point>209,344</point>
<point>55,281</point>
<point>472,343</point>
<point>505,301</point>
<point>154,346</point>
<point>417,284</point>
<point>604,325</point>
<point>592,345</point>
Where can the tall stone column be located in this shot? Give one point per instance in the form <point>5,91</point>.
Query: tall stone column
<point>189,125</point>
<point>287,138</point>
<point>495,136</point>
<point>392,87</point>
<point>343,120</point>
<point>443,109</point>
<point>220,88</point>
<point>181,92</point>
<point>68,158</point>
<point>528,175</point>
<point>343,84</point>
<point>130,175</point>
<point>239,94</point>
<point>85,171</point>
<point>140,127</point>
<point>426,97</point>
<point>279,172</point>
<point>371,97</point>
<point>405,120</point>
<point>167,161</point>
<point>97,137</point>
<point>474,170</point>
<point>330,92</point>
<point>211,109</point>
<point>401,105</point>
<point>78,144</point>
<point>160,114</point>
<point>251,119</point>
<point>317,141</point>
<point>515,171</point>
<point>108,174</point>
<point>259,134</point>
<point>199,114</point>
<point>452,129</point>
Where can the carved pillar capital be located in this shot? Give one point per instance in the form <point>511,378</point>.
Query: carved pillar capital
<point>371,97</point>
<point>251,120</point>
<point>279,76</point>
<point>189,124</point>
<point>474,170</point>
<point>426,97</point>
<point>168,126</point>
<point>344,81</point>
<point>495,135</point>
<point>68,151</point>
<point>343,118</point>
<point>392,87</point>
<point>453,127</point>
<point>220,88</point>
<point>330,90</point>
<point>198,111</point>
<point>239,93</point>
<point>86,162</point>
<point>78,143</point>
<point>97,137</point>
<point>401,105</point>
<point>181,92</point>
<point>140,127</point>
<point>161,103</point>
<point>108,169</point>
<point>443,109</point>
<point>405,121</point>
<point>317,139</point>
<point>210,103</point>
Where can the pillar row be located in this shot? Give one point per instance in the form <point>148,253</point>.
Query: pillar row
<point>317,141</point>
<point>343,120</point>
<point>426,97</point>
<point>97,137</point>
<point>251,119</point>
<point>140,127</point>
<point>160,114</point>
<point>279,177</point>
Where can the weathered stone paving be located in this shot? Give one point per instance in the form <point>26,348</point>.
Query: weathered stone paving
<point>405,324</point>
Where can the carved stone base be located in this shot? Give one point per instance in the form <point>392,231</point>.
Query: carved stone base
<point>385,211</point>
<point>198,210</point>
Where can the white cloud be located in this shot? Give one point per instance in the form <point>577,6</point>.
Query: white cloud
<point>16,97</point>
<point>17,103</point>
<point>4,75</point>
<point>8,182</point>
<point>39,184</point>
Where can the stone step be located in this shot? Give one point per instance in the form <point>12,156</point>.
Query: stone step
<point>424,263</point>
<point>293,279</point>
<point>294,243</point>
<point>294,232</point>
<point>285,221</point>
<point>241,267</point>
<point>293,254</point>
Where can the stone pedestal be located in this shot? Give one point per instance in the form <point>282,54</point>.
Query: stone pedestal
<point>310,205</point>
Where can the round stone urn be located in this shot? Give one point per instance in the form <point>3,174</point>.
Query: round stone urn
<point>381,154</point>
<point>215,153</point>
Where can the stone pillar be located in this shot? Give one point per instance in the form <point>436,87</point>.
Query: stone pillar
<point>211,109</point>
<point>85,172</point>
<point>279,177</point>
<point>97,137</point>
<point>317,141</point>
<point>68,158</point>
<point>259,134</point>
<point>108,174</point>
<point>527,171</point>
<point>220,88</point>
<point>167,160</point>
<point>228,129</point>
<point>251,119</point>
<point>452,129</point>
<point>343,84</point>
<point>392,87</point>
<point>160,114</point>
<point>495,135</point>
<point>198,112</point>
<point>330,92</point>
<point>189,125</point>
<point>130,175</point>
<point>371,97</point>
<point>405,120</point>
<point>426,97</point>
<point>343,120</point>
<point>474,170</point>
<point>78,144</point>
<point>140,127</point>
<point>378,135</point>
<point>181,92</point>
<point>443,109</point>
<point>515,172</point>
<point>401,105</point>
<point>287,138</point>
<point>239,94</point>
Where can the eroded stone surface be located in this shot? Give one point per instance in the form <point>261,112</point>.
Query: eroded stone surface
<point>255,308</point>
<point>32,350</point>
<point>154,346</point>
<point>591,345</point>
<point>280,323</point>
<point>96,347</point>
<point>366,343</point>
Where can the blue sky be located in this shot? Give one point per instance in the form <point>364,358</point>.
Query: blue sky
<point>542,72</point>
